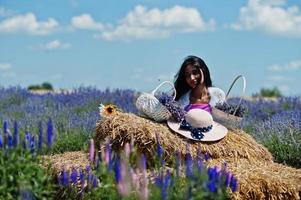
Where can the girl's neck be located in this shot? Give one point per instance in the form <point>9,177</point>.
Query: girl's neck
<point>199,94</point>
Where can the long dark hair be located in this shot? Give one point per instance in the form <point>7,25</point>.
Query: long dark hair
<point>180,84</point>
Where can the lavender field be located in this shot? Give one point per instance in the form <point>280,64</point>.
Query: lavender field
<point>54,123</point>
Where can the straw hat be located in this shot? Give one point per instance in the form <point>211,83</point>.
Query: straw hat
<point>198,125</point>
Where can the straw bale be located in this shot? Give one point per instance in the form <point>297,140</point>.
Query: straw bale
<point>67,160</point>
<point>263,180</point>
<point>122,127</point>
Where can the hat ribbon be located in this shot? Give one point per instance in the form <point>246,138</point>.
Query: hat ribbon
<point>196,133</point>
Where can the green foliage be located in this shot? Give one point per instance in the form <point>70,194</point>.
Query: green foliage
<point>71,140</point>
<point>10,101</point>
<point>34,87</point>
<point>107,188</point>
<point>43,86</point>
<point>284,152</point>
<point>266,92</point>
<point>47,86</point>
<point>21,175</point>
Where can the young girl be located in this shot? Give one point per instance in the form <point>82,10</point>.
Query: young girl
<point>192,82</point>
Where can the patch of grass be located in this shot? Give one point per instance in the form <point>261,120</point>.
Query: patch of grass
<point>71,141</point>
<point>284,152</point>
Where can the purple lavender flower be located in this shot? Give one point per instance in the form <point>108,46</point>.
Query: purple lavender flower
<point>233,184</point>
<point>228,179</point>
<point>127,150</point>
<point>1,141</point>
<point>94,182</point>
<point>73,176</point>
<point>26,194</point>
<point>199,161</point>
<point>159,148</point>
<point>10,141</point>
<point>32,144</point>
<point>88,169</point>
<point>108,154</point>
<point>40,143</point>
<point>91,150</point>
<point>117,169</point>
<point>168,180</point>
<point>212,173</point>
<point>90,178</point>
<point>165,187</point>
<point>5,127</point>
<point>172,106</point>
<point>16,134</point>
<point>97,161</point>
<point>82,177</point>
<point>207,157</point>
<point>159,180</point>
<point>212,186</point>
<point>143,163</point>
<point>50,133</point>
<point>26,142</point>
<point>178,162</point>
<point>189,166</point>
<point>64,178</point>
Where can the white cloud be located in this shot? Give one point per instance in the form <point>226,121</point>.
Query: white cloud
<point>5,66</point>
<point>294,65</point>
<point>5,12</point>
<point>56,44</point>
<point>5,71</point>
<point>273,2</point>
<point>85,21</point>
<point>279,78</point>
<point>28,23</point>
<point>270,17</point>
<point>142,23</point>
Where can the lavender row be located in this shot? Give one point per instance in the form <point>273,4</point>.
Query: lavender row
<point>74,109</point>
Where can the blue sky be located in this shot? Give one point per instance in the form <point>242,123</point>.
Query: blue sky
<point>137,44</point>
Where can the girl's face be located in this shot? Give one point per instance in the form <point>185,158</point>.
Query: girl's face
<point>192,76</point>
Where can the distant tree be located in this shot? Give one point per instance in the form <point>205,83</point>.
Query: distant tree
<point>34,87</point>
<point>266,92</point>
<point>47,86</point>
<point>43,86</point>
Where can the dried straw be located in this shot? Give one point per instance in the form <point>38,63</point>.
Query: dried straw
<point>67,160</point>
<point>123,127</point>
<point>259,177</point>
<point>263,180</point>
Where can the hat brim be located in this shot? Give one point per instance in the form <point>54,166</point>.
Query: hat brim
<point>217,132</point>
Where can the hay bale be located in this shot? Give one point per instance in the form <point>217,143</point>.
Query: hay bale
<point>121,127</point>
<point>252,164</point>
<point>67,160</point>
<point>263,180</point>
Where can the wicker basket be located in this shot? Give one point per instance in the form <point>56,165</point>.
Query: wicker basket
<point>149,106</point>
<point>230,120</point>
